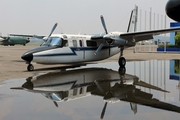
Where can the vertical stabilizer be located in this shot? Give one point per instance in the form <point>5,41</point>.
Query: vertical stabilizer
<point>133,20</point>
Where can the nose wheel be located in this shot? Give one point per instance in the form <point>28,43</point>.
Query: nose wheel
<point>30,67</point>
<point>122,62</point>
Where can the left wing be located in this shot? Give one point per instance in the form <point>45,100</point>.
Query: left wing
<point>146,35</point>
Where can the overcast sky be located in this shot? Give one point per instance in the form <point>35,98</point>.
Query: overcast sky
<point>73,16</point>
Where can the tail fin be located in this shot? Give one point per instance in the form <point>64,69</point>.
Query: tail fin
<point>133,20</point>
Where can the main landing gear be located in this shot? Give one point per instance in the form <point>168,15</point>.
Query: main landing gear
<point>122,60</point>
<point>30,67</point>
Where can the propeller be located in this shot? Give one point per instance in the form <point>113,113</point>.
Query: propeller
<point>102,90</point>
<point>55,103</point>
<point>102,44</point>
<point>104,24</point>
<point>104,110</point>
<point>54,27</point>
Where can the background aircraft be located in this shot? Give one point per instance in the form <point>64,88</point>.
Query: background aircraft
<point>173,9</point>
<point>13,40</point>
<point>112,86</point>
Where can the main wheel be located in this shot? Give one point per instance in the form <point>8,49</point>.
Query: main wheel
<point>30,67</point>
<point>122,62</point>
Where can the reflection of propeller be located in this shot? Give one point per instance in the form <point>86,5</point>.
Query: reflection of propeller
<point>55,103</point>
<point>103,111</point>
<point>106,40</point>
<point>102,90</point>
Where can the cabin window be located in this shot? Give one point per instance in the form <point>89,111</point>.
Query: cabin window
<point>91,43</point>
<point>75,92</point>
<point>74,43</point>
<point>81,91</point>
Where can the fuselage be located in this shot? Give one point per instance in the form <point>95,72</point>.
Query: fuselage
<point>67,49</point>
<point>13,40</point>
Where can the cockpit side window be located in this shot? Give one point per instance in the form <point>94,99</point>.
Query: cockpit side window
<point>53,41</point>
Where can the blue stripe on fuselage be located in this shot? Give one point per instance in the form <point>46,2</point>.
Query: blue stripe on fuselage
<point>74,49</point>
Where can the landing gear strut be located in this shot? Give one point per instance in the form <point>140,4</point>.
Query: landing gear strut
<point>30,67</point>
<point>122,60</point>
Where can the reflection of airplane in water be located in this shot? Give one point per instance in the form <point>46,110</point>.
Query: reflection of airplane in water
<point>113,86</point>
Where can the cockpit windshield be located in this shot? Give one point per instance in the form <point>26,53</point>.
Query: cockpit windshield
<point>53,41</point>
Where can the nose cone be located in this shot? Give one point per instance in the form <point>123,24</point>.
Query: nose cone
<point>27,57</point>
<point>173,9</point>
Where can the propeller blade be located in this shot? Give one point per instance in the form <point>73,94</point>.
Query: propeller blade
<point>103,23</point>
<point>104,110</point>
<point>109,49</point>
<point>98,85</point>
<point>99,48</point>
<point>54,27</point>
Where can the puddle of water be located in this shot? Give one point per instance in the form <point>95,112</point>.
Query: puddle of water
<point>136,95</point>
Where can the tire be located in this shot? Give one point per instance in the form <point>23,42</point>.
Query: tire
<point>122,70</point>
<point>30,67</point>
<point>122,62</point>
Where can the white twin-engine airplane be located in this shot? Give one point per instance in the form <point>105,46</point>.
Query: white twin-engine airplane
<point>75,49</point>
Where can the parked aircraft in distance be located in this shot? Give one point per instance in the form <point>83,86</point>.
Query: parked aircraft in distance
<point>13,40</point>
<point>173,9</point>
<point>113,86</point>
<point>75,49</point>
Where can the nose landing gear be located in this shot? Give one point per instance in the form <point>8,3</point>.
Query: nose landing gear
<point>30,67</point>
<point>122,60</point>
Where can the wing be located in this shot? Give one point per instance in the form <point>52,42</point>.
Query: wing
<point>28,35</point>
<point>146,35</point>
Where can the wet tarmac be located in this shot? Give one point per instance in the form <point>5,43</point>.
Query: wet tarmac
<point>142,90</point>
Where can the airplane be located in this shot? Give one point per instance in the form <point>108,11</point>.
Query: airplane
<point>13,40</point>
<point>75,49</point>
<point>173,9</point>
<point>113,86</point>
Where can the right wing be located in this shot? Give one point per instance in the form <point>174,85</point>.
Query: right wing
<point>28,35</point>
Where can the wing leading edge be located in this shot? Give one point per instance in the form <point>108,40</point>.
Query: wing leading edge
<point>146,35</point>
